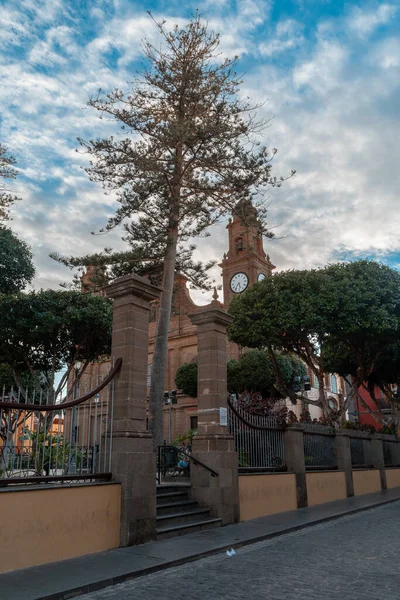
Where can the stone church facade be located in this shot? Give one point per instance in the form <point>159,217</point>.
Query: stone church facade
<point>244,264</point>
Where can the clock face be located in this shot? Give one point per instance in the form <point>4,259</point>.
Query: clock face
<point>239,282</point>
<point>260,277</point>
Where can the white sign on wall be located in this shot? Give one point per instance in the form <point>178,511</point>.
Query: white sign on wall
<point>223,416</point>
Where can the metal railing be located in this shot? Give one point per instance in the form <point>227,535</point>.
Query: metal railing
<point>360,448</point>
<point>58,441</point>
<point>390,453</point>
<point>173,461</point>
<point>319,447</point>
<point>259,439</point>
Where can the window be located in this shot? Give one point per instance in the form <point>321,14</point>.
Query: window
<point>316,382</point>
<point>148,375</point>
<point>193,422</point>
<point>333,384</point>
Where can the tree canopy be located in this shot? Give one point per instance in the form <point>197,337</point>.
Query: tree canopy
<point>188,152</point>
<point>47,331</point>
<point>253,372</point>
<point>16,263</point>
<point>7,172</point>
<point>336,319</point>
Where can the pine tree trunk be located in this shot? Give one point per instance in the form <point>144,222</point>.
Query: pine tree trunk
<point>156,401</point>
<point>159,364</point>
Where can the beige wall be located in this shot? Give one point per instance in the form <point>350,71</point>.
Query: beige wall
<point>366,482</point>
<point>393,478</point>
<point>266,494</point>
<point>46,525</point>
<point>325,486</point>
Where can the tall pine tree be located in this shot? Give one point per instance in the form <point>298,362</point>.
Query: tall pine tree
<point>189,153</point>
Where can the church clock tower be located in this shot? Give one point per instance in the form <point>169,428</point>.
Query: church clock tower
<point>246,262</point>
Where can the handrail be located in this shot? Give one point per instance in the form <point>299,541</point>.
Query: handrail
<point>248,423</point>
<point>63,406</point>
<point>194,460</point>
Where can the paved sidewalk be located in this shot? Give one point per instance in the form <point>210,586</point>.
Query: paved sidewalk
<point>70,578</point>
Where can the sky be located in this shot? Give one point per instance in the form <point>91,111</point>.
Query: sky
<point>327,73</point>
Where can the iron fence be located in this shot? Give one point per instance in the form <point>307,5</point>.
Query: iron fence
<point>45,439</point>
<point>390,453</point>
<point>259,440</point>
<point>319,447</point>
<point>360,449</point>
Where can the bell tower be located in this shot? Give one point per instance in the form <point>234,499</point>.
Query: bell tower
<point>245,262</point>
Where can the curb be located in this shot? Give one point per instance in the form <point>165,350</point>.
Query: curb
<point>99,585</point>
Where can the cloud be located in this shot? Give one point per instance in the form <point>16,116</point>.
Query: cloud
<point>288,36</point>
<point>363,22</point>
<point>333,94</point>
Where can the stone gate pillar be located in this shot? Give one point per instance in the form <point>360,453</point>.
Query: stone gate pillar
<point>213,445</point>
<point>133,461</point>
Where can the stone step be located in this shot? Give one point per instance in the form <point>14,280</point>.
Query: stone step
<point>191,527</point>
<point>166,498</point>
<point>174,507</point>
<point>179,518</point>
<point>164,488</point>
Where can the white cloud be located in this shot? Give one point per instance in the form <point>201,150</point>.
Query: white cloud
<point>363,22</point>
<point>335,122</point>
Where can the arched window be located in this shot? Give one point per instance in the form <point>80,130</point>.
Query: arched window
<point>239,244</point>
<point>334,384</point>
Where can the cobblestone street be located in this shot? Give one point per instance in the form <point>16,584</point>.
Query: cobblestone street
<point>354,558</point>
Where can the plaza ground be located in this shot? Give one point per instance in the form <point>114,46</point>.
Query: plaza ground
<point>353,558</point>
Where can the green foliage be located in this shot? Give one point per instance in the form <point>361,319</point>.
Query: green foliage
<point>342,319</point>
<point>185,438</point>
<point>46,331</point>
<point>7,171</point>
<point>186,379</point>
<point>7,380</point>
<point>252,372</point>
<point>16,266</point>
<point>50,451</point>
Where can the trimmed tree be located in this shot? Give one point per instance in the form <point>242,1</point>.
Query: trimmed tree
<point>45,332</point>
<point>323,316</point>
<point>253,372</point>
<point>16,264</point>
<point>188,154</point>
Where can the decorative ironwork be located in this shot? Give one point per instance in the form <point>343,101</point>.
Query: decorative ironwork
<point>319,447</point>
<point>258,440</point>
<point>46,441</point>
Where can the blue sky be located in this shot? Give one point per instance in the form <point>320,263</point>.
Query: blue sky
<point>328,73</point>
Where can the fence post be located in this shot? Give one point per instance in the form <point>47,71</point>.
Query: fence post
<point>133,462</point>
<point>378,459</point>
<point>294,456</point>
<point>213,444</point>
<point>343,457</point>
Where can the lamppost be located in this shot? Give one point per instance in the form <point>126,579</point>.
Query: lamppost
<point>170,398</point>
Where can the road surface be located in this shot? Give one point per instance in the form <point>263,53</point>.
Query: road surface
<point>353,558</point>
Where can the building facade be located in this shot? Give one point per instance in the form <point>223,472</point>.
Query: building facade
<point>244,263</point>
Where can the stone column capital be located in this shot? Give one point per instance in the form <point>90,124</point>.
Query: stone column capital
<point>133,285</point>
<point>210,314</point>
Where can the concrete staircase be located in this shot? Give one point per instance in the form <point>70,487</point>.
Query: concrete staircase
<point>178,514</point>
